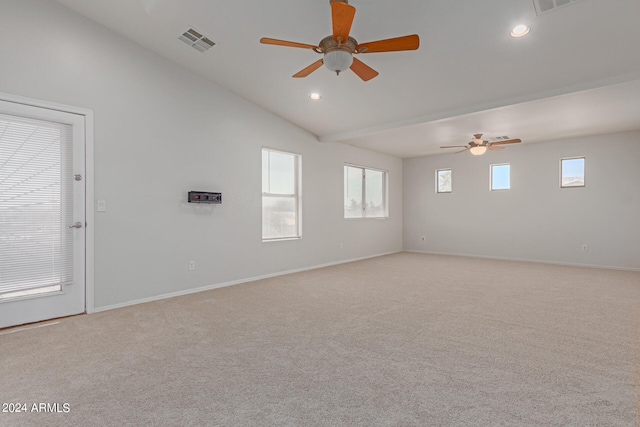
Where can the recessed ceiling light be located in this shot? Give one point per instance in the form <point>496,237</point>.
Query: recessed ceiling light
<point>315,96</point>
<point>520,30</point>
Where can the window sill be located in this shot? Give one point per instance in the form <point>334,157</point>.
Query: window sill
<point>369,218</point>
<point>281,239</point>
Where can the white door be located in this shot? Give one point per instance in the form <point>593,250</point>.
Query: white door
<point>42,214</point>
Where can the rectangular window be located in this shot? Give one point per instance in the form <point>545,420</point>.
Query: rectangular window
<point>443,181</point>
<point>280,195</point>
<point>365,192</point>
<point>572,172</point>
<point>500,177</point>
<point>36,206</point>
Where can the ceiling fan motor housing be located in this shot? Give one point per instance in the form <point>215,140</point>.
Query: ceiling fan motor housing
<point>338,55</point>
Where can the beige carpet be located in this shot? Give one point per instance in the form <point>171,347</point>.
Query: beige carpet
<point>401,340</point>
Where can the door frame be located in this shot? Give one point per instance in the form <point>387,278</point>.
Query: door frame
<point>89,183</point>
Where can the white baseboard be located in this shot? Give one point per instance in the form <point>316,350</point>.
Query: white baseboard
<point>231,283</point>
<point>535,261</point>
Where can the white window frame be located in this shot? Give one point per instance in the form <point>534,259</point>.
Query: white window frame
<point>584,172</point>
<point>438,180</point>
<point>491,177</point>
<point>385,190</point>
<point>297,195</point>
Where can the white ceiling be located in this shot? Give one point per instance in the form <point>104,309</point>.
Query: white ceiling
<point>577,73</point>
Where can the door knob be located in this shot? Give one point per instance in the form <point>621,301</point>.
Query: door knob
<point>76,225</point>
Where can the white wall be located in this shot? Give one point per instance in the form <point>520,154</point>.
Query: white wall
<point>161,131</point>
<point>535,220</point>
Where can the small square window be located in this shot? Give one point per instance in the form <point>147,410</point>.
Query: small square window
<point>500,177</point>
<point>443,181</point>
<point>572,172</point>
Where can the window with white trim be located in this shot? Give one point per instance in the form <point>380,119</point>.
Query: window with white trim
<point>572,172</point>
<point>501,177</point>
<point>280,195</point>
<point>365,192</point>
<point>443,181</point>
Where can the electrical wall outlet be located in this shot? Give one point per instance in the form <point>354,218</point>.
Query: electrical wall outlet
<point>192,265</point>
<point>584,248</point>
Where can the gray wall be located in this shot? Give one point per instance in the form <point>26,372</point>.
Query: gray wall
<point>161,131</point>
<point>535,220</point>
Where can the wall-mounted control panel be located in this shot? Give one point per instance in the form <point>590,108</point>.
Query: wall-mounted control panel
<point>204,197</point>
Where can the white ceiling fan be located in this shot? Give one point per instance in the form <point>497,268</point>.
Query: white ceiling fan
<point>478,146</point>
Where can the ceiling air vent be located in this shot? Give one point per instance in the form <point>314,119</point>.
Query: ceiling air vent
<point>196,40</point>
<point>544,6</point>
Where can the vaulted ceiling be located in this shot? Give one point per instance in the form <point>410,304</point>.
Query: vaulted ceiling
<point>576,73</point>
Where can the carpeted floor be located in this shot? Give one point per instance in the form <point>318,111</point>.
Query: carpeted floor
<point>400,340</point>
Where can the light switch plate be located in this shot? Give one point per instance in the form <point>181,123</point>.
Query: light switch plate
<point>102,205</point>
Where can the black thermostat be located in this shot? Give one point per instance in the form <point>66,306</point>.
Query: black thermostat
<point>204,197</point>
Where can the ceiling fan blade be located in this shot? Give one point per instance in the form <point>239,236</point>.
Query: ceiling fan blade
<point>266,40</point>
<point>491,148</point>
<point>342,16</point>
<point>508,141</point>
<point>462,151</point>
<point>411,42</point>
<point>362,70</point>
<point>454,146</point>
<point>310,69</point>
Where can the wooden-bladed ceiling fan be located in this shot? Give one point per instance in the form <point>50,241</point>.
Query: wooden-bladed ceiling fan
<point>478,146</point>
<point>338,49</point>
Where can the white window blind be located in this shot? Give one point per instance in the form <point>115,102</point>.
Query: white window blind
<point>36,205</point>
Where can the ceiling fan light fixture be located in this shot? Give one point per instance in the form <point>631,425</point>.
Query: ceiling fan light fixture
<point>520,31</point>
<point>315,96</point>
<point>338,60</point>
<point>478,150</point>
